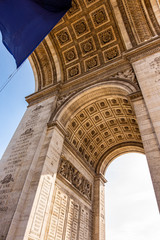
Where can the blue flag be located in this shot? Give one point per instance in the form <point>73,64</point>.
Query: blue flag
<point>25,23</point>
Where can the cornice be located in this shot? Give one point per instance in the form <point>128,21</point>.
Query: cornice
<point>42,94</point>
<point>143,50</point>
<point>58,125</point>
<point>135,96</point>
<point>101,177</point>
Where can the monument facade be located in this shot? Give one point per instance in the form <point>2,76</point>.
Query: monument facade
<point>97,96</point>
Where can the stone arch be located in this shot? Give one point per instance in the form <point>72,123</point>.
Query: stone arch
<point>99,120</point>
<point>113,86</point>
<point>46,65</point>
<point>111,155</point>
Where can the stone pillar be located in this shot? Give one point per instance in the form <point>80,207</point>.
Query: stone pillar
<point>149,139</point>
<point>148,75</point>
<point>99,208</point>
<point>18,164</point>
<point>37,222</point>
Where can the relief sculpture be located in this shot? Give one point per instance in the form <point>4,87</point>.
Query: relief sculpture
<point>70,173</point>
<point>7,179</point>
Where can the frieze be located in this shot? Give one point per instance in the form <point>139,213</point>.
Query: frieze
<point>75,178</point>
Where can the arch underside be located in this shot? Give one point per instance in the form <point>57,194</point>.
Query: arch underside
<point>97,122</point>
<point>93,35</point>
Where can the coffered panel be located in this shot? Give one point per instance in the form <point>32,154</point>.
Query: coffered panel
<point>101,125</point>
<point>86,38</point>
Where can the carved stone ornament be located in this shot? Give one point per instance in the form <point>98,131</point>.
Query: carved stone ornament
<point>38,108</point>
<point>127,74</point>
<point>7,179</point>
<point>75,178</point>
<point>156,65</point>
<point>63,98</point>
<point>28,131</point>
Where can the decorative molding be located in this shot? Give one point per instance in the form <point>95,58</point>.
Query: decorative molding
<point>75,178</point>
<point>101,177</point>
<point>58,125</point>
<point>143,51</point>
<point>135,20</point>
<point>135,96</point>
<point>42,94</point>
<point>62,98</point>
<point>127,74</point>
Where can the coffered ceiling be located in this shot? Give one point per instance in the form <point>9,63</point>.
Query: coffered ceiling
<point>86,38</point>
<point>101,125</point>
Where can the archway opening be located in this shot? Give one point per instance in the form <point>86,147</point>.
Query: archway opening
<point>131,208</point>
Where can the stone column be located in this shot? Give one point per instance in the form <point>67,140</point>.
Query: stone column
<point>18,164</point>
<point>99,208</point>
<point>31,216</point>
<point>148,75</point>
<point>149,139</point>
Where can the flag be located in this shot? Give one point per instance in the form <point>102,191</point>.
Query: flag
<point>25,23</point>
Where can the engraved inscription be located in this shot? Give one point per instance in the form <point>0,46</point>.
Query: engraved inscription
<point>85,222</point>
<point>41,207</point>
<point>72,221</point>
<point>69,219</point>
<point>58,216</point>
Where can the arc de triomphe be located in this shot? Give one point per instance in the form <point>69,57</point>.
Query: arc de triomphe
<point>97,96</point>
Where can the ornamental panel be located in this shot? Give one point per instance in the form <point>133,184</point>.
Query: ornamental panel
<point>99,16</point>
<point>81,27</point>
<point>75,179</point>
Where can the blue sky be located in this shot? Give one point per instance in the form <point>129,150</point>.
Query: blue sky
<point>12,98</point>
<point>131,209</point>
